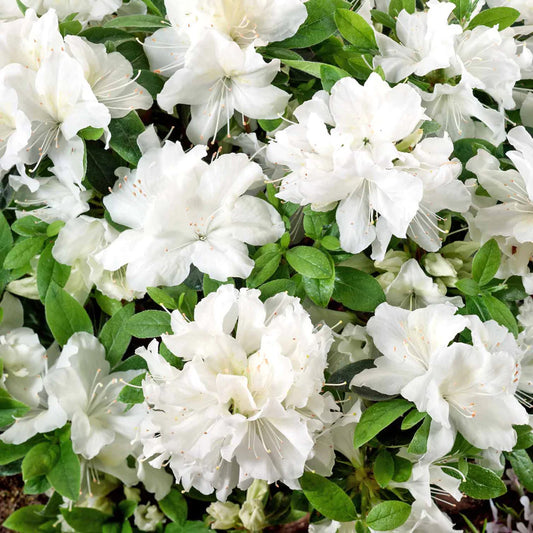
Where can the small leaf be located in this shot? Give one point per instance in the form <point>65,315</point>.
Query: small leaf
<point>468,286</point>
<point>48,271</point>
<point>328,498</point>
<point>419,444</point>
<point>482,483</point>
<point>355,29</point>
<point>39,460</point>
<point>377,417</point>
<point>412,419</point>
<point>383,468</point>
<point>319,290</point>
<point>23,251</point>
<point>114,335</point>
<point>26,520</point>
<point>502,17</point>
<point>501,313</point>
<point>389,515</point>
<point>174,506</point>
<point>310,262</point>
<point>10,408</point>
<point>357,290</point>
<point>132,392</point>
<point>124,133</point>
<point>149,324</point>
<point>140,22</point>
<point>402,469</point>
<point>64,315</point>
<point>522,466</point>
<point>65,477</point>
<point>486,262</point>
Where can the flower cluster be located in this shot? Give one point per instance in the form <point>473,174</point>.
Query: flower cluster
<point>267,264</point>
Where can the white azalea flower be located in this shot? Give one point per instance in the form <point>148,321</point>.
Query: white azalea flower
<point>256,22</point>
<point>513,217</point>
<point>15,129</point>
<point>409,342</point>
<point>57,115</point>
<point>22,358</point>
<point>426,42</point>
<point>455,106</point>
<point>412,289</point>
<point>85,11</point>
<point>30,40</point>
<point>430,161</point>
<point>87,392</point>
<point>52,201</point>
<point>110,77</point>
<point>10,10</point>
<point>218,79</point>
<point>469,389</point>
<point>427,518</point>
<point>183,211</point>
<point>488,60</point>
<point>244,407</point>
<point>78,244</point>
<point>353,162</point>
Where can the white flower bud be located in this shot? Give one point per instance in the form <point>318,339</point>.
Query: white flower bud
<point>226,515</point>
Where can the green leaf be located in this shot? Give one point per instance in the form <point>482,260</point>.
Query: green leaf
<point>475,306</point>
<point>412,419</point>
<point>26,520</point>
<point>101,166</point>
<point>23,251</point>
<point>12,452</point>
<point>64,315</point>
<point>328,498</point>
<point>377,417</point>
<point>468,286</point>
<point>174,506</point>
<point>91,134</point>
<point>319,290</point>
<point>276,286</point>
<point>132,393</point>
<point>310,262</point>
<point>134,53</point>
<point>316,222</point>
<point>419,444</point>
<point>10,408</point>
<point>383,468</point>
<point>501,313</point>
<point>330,75</point>
<point>486,262</point>
<point>48,271</point>
<point>65,477</point>
<point>502,17</point>
<point>6,239</point>
<point>383,18</point>
<point>114,335</point>
<point>152,8</point>
<point>270,125</point>
<point>39,460</point>
<point>149,324</point>
<point>151,81</point>
<point>162,298</point>
<point>482,483</point>
<point>522,466</point>
<point>266,264</point>
<point>355,29</point>
<point>402,469</point>
<point>106,304</point>
<point>101,35</point>
<point>396,6</point>
<point>139,22</point>
<point>357,290</point>
<point>23,7</point>
<point>524,438</point>
<point>29,226</point>
<point>313,68</point>
<point>85,520</point>
<point>318,26</point>
<point>211,285</point>
<point>124,133</point>
<point>387,516</point>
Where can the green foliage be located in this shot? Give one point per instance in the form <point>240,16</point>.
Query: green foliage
<point>327,498</point>
<point>148,324</point>
<point>387,516</point>
<point>482,483</point>
<point>64,315</point>
<point>114,335</point>
<point>377,417</point>
<point>357,290</point>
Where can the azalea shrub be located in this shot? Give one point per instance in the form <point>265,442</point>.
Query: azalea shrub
<point>266,264</point>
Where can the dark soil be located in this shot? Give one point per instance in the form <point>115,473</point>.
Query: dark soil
<point>12,498</point>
